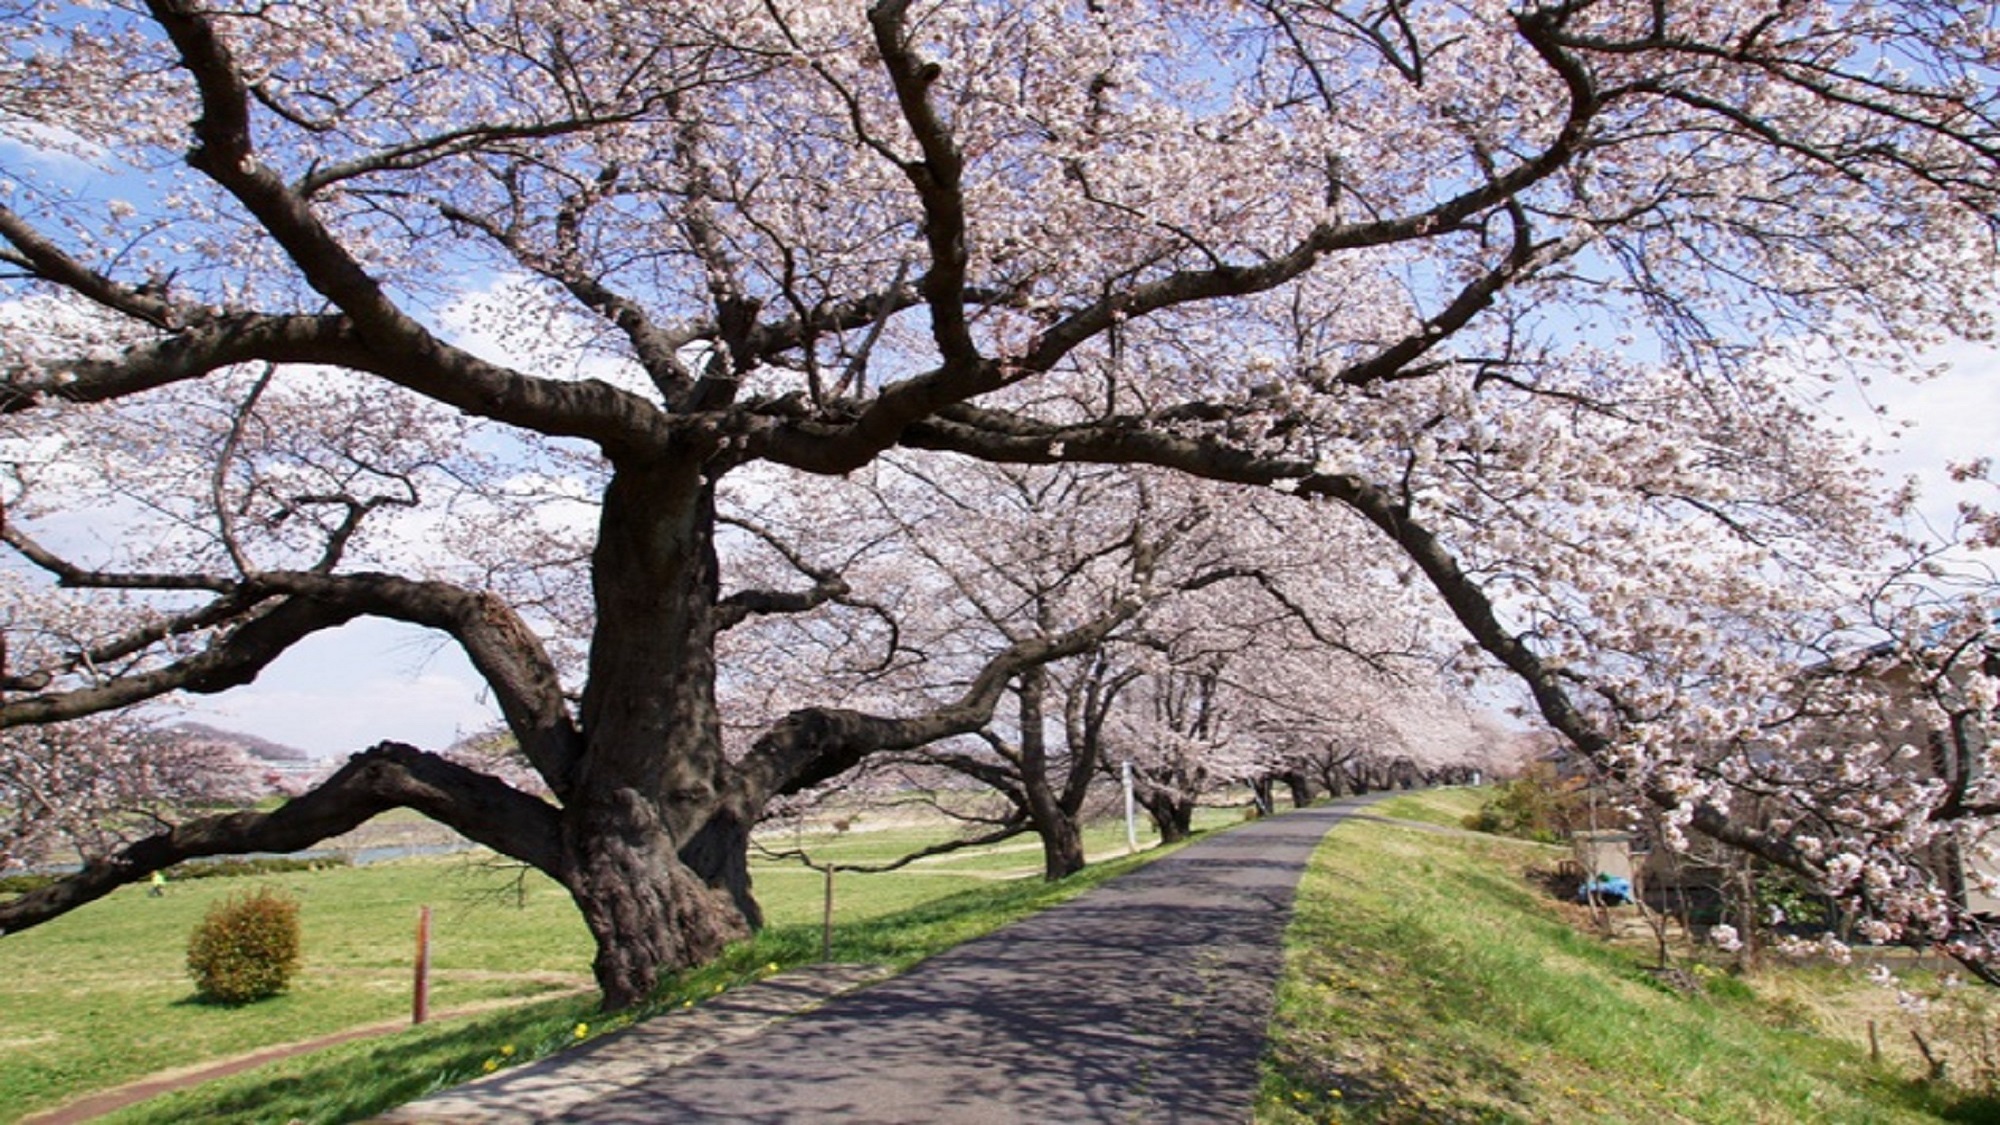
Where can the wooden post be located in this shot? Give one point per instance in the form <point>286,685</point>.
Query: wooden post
<point>420,1006</point>
<point>826,919</point>
<point>1131,812</point>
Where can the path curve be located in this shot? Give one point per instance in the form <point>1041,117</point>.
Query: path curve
<point>1144,999</point>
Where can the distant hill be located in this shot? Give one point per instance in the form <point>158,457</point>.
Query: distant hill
<point>262,749</point>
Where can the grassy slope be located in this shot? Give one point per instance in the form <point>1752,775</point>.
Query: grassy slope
<point>1426,982</point>
<point>99,997</point>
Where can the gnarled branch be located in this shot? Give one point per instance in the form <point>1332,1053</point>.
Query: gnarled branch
<point>386,776</point>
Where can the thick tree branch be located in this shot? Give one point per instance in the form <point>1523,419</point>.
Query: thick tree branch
<point>409,354</point>
<point>744,604</point>
<point>508,655</point>
<point>232,660</point>
<point>389,775</point>
<point>50,263</point>
<point>812,745</point>
<point>937,180</point>
<point>190,353</point>
<point>265,614</point>
<point>993,435</point>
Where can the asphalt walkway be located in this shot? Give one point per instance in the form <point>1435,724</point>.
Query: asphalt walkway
<point>1145,999</point>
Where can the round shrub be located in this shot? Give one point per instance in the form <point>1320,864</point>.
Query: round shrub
<point>246,948</point>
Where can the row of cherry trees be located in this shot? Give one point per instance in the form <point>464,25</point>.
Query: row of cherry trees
<point>1265,642</point>
<point>562,328</point>
<point>89,787</point>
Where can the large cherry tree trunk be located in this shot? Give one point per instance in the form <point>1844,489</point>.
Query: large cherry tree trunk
<point>1300,785</point>
<point>649,912</point>
<point>1053,818</point>
<point>650,779</point>
<point>1172,815</point>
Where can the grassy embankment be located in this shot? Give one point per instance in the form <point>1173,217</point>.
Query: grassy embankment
<point>99,997</point>
<point>1427,981</point>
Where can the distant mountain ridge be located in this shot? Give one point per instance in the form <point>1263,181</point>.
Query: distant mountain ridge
<point>262,749</point>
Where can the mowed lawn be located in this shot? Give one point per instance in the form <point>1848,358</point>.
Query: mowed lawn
<point>101,997</point>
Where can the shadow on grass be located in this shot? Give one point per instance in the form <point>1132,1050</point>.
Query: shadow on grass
<point>1944,1102</point>
<point>358,1080</point>
<point>1971,1108</point>
<point>197,1000</point>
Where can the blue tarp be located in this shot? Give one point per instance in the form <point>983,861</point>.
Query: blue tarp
<point>1606,888</point>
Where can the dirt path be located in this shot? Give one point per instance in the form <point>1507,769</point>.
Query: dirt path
<point>131,1093</point>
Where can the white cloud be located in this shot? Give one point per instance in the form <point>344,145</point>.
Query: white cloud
<point>517,323</point>
<point>348,689</point>
<point>57,152</point>
<point>1952,418</point>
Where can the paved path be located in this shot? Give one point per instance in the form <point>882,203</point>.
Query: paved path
<point>1144,1000</point>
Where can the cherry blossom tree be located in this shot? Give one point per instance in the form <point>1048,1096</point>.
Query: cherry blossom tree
<point>1179,745</point>
<point>1513,285</point>
<point>1005,555</point>
<point>81,790</point>
<point>1257,616</point>
<point>1028,555</point>
<point>1877,762</point>
<point>1248,704</point>
<point>1311,654</point>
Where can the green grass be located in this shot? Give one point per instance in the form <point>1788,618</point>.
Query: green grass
<point>1445,807</point>
<point>1426,981</point>
<point>363,1078</point>
<point>100,997</point>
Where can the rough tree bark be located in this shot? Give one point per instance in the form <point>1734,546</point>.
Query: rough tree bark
<point>1300,786</point>
<point>1052,814</point>
<point>1172,813</point>
<point>653,769</point>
